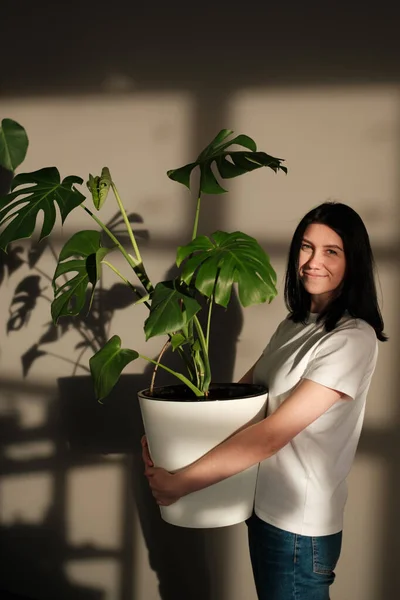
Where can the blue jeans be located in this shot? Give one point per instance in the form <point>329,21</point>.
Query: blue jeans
<point>287,566</point>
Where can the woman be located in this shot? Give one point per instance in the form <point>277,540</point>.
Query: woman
<point>317,367</point>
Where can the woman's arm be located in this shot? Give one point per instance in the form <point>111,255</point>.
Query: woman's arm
<point>246,448</point>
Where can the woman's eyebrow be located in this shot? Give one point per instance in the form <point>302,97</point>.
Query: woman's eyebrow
<point>325,245</point>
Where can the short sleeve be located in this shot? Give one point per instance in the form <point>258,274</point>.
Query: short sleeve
<point>343,359</point>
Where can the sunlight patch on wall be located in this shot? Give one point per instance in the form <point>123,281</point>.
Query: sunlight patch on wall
<point>27,409</point>
<point>94,504</point>
<point>29,451</point>
<point>25,498</point>
<point>138,136</point>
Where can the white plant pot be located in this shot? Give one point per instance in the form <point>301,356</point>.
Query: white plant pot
<point>180,432</point>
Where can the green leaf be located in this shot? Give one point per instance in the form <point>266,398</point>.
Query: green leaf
<point>228,163</point>
<point>241,140</point>
<point>198,361</point>
<point>202,242</point>
<point>228,169</point>
<point>182,175</point>
<point>208,182</point>
<point>99,187</point>
<point>228,258</point>
<point>93,264</point>
<point>171,309</point>
<point>107,365</point>
<point>141,300</point>
<point>196,346</point>
<point>13,144</point>
<point>70,297</point>
<point>214,144</point>
<point>178,340</point>
<point>41,191</point>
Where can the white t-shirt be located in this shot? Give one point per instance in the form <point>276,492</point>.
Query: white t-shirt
<point>302,488</point>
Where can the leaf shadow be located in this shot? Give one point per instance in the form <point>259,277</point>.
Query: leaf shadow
<point>94,321</point>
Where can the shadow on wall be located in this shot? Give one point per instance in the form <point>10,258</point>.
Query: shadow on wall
<point>33,555</point>
<point>84,433</point>
<point>164,49</point>
<point>181,558</point>
<point>297,54</point>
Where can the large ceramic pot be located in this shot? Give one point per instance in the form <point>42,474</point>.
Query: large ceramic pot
<point>180,429</point>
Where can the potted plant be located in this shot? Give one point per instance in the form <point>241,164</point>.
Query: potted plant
<point>179,309</point>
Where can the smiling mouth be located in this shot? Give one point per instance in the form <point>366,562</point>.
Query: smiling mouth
<point>313,276</point>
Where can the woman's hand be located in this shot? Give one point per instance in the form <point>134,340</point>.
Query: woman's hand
<point>164,485</point>
<point>146,453</point>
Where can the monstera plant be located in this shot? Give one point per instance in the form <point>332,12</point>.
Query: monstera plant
<point>208,266</point>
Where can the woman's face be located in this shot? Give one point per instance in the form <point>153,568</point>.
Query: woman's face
<point>322,264</point>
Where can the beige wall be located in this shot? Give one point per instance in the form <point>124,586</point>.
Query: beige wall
<point>340,143</point>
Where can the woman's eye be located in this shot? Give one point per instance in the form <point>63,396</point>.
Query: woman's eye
<point>305,247</point>
<point>330,251</point>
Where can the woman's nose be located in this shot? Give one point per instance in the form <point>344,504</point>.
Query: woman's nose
<point>314,261</point>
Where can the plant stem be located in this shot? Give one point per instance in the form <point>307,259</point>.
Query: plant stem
<point>209,322</point>
<point>126,221</point>
<point>136,266</point>
<point>53,252</point>
<point>130,260</point>
<point>200,369</point>
<point>185,380</point>
<point>182,356</point>
<point>187,362</point>
<point>207,375</point>
<point>196,217</point>
<point>196,370</point>
<point>200,376</point>
<point>167,343</point>
<point>125,280</point>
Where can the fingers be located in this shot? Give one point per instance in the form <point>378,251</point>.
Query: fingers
<point>153,475</point>
<point>160,493</point>
<point>149,471</point>
<point>146,453</point>
<point>162,500</point>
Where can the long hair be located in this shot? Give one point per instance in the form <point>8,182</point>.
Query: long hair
<point>358,295</point>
